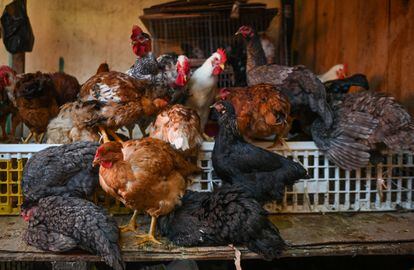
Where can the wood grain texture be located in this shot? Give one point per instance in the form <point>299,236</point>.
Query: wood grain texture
<point>307,234</point>
<point>374,37</point>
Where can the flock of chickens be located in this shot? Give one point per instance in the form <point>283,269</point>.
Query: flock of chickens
<point>172,106</point>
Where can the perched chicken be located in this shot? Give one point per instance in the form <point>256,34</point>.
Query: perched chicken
<point>171,83</point>
<point>261,173</point>
<point>336,72</point>
<point>364,124</point>
<point>145,175</point>
<point>180,127</point>
<point>34,95</point>
<point>203,85</point>
<point>64,170</point>
<point>261,110</point>
<point>111,100</point>
<point>302,87</point>
<point>226,216</point>
<point>60,224</point>
<point>66,86</point>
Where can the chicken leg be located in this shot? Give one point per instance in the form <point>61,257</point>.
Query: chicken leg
<point>150,237</point>
<point>115,136</point>
<point>27,140</point>
<point>132,224</point>
<point>104,134</point>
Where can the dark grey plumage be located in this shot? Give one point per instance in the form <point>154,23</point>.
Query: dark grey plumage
<point>364,124</point>
<point>225,216</point>
<point>261,173</point>
<point>64,170</point>
<point>61,224</point>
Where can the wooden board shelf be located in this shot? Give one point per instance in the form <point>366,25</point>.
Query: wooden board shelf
<point>307,234</point>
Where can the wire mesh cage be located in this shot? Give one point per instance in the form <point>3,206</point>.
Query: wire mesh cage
<point>198,28</point>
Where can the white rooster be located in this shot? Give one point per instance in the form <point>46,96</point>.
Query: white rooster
<point>203,85</point>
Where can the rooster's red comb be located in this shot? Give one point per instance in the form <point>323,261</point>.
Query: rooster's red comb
<point>136,30</point>
<point>223,56</point>
<point>6,69</point>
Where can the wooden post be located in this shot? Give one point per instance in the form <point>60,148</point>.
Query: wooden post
<point>18,62</point>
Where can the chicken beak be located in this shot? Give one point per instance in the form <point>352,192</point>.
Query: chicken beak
<point>222,66</point>
<point>237,33</point>
<point>96,162</point>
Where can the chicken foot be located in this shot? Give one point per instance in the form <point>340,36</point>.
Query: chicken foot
<point>150,237</point>
<point>37,139</point>
<point>280,141</point>
<point>132,224</point>
<point>207,138</point>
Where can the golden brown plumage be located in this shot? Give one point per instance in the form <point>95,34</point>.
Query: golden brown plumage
<point>180,127</point>
<point>145,175</point>
<point>66,86</point>
<point>35,99</point>
<point>262,110</point>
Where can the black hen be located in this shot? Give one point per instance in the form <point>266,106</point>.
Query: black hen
<point>341,86</point>
<point>61,224</point>
<point>262,173</point>
<point>64,170</point>
<point>365,124</point>
<point>226,216</point>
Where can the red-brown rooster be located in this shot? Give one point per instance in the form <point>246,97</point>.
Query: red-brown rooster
<point>262,111</point>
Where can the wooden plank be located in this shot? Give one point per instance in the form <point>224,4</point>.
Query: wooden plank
<point>19,60</point>
<point>307,235</point>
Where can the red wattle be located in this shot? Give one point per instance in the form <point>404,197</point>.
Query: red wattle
<point>106,164</point>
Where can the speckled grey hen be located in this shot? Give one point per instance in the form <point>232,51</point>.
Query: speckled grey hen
<point>64,170</point>
<point>364,124</point>
<point>61,224</point>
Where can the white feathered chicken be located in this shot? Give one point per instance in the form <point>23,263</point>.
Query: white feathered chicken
<point>203,85</point>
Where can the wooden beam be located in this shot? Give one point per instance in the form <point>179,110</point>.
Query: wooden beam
<point>18,62</point>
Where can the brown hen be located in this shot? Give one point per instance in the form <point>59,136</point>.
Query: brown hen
<point>145,175</point>
<point>262,111</point>
<point>180,127</point>
<point>66,86</point>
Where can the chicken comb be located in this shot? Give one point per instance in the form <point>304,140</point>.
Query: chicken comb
<point>6,69</point>
<point>136,30</point>
<point>223,56</point>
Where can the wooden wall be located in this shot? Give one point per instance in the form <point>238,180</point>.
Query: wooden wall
<point>374,37</point>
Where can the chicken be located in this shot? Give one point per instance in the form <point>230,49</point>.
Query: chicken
<point>365,123</point>
<point>34,96</point>
<point>145,175</point>
<point>60,224</point>
<point>262,111</point>
<point>226,216</point>
<point>59,128</point>
<point>7,109</point>
<point>111,100</point>
<point>64,170</point>
<point>180,127</point>
<point>171,83</point>
<point>146,66</point>
<point>261,173</point>
<point>302,87</point>
<point>268,48</point>
<point>336,72</point>
<point>203,85</point>
<point>66,87</point>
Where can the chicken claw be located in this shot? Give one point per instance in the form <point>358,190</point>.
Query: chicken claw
<point>150,237</point>
<point>207,138</point>
<point>132,224</point>
<point>27,140</point>
<point>115,136</point>
<point>147,238</point>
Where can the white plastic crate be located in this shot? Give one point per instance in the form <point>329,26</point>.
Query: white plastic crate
<point>329,189</point>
